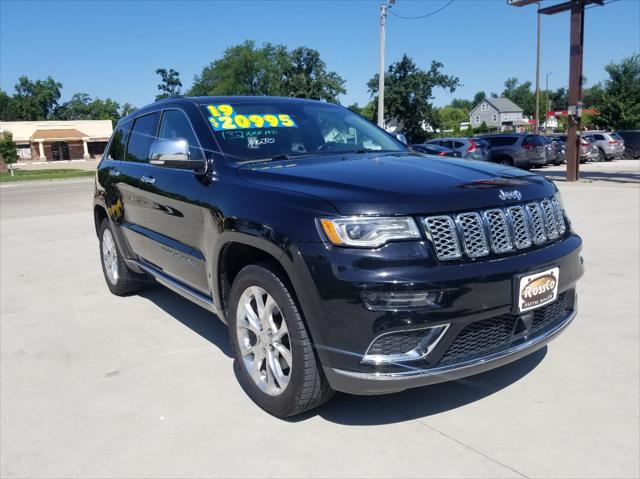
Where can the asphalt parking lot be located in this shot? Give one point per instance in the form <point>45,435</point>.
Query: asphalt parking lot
<point>93,385</point>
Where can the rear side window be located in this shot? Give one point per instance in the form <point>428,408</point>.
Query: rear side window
<point>534,140</point>
<point>457,144</point>
<point>175,125</point>
<point>598,137</point>
<point>142,135</point>
<point>118,143</point>
<point>502,141</point>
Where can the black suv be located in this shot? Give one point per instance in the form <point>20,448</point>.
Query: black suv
<point>339,259</point>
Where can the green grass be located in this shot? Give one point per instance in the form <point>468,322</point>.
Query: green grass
<point>23,175</point>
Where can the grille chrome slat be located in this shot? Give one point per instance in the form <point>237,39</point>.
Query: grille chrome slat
<point>474,237</point>
<point>496,230</point>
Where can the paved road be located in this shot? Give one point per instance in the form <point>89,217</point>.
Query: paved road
<point>93,385</point>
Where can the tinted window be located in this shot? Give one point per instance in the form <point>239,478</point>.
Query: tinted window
<point>446,143</point>
<point>458,144</point>
<point>118,143</point>
<point>175,125</point>
<point>533,140</point>
<point>598,137</point>
<point>267,128</point>
<point>502,140</point>
<point>142,135</point>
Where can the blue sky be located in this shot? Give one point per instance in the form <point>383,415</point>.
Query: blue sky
<point>112,48</point>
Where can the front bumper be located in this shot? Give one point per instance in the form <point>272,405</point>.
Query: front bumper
<point>385,383</point>
<point>343,328</point>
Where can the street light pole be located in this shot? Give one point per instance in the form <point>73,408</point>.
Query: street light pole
<point>383,20</point>
<point>547,103</point>
<point>538,74</point>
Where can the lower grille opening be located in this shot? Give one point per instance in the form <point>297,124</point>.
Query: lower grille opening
<point>482,338</point>
<point>402,346</point>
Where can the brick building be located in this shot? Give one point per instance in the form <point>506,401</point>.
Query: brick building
<point>59,140</point>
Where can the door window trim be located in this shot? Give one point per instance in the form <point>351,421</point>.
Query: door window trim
<point>193,130</point>
<point>133,124</point>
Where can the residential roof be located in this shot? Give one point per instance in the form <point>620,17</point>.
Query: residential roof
<point>503,104</point>
<point>62,134</point>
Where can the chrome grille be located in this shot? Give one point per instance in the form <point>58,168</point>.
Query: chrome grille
<point>498,230</point>
<point>521,230</point>
<point>550,218</point>
<point>442,232</point>
<point>537,223</point>
<point>473,235</point>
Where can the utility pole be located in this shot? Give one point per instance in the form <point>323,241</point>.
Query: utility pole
<point>547,103</point>
<point>575,89</point>
<point>383,21</point>
<point>538,74</point>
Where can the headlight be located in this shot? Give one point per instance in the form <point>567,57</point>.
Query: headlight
<point>368,232</point>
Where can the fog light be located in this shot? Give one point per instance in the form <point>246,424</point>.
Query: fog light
<point>402,346</point>
<point>399,300</point>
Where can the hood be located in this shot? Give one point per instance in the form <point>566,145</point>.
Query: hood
<point>400,183</point>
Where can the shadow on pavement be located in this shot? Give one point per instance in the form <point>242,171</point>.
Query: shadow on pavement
<point>194,317</point>
<point>622,177</point>
<point>425,401</point>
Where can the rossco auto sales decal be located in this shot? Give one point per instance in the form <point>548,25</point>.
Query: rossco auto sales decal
<point>538,289</point>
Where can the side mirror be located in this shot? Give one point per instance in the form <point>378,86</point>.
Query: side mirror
<point>174,154</point>
<point>401,138</point>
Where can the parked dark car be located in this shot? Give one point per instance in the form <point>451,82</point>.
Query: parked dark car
<point>435,150</point>
<point>522,150</point>
<point>588,151</point>
<point>470,148</point>
<point>632,142</point>
<point>560,147</point>
<point>338,258</point>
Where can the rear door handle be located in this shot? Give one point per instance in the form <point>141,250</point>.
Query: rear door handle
<point>148,179</point>
<point>114,172</point>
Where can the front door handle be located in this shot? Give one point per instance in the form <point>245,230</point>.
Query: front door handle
<point>114,172</point>
<point>148,179</point>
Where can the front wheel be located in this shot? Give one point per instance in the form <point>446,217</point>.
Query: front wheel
<point>120,279</point>
<point>601,156</point>
<point>274,357</point>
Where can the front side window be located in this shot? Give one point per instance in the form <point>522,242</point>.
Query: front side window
<point>142,135</point>
<point>250,131</point>
<point>118,142</point>
<point>175,125</point>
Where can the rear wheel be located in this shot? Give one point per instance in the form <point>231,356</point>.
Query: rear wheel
<point>274,357</point>
<point>505,160</point>
<point>120,279</point>
<point>601,156</point>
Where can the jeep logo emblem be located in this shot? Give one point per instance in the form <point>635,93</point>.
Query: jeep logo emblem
<point>510,195</point>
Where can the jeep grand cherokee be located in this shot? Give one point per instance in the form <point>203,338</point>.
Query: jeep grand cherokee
<point>339,259</point>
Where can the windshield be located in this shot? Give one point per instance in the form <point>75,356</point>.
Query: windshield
<point>249,131</point>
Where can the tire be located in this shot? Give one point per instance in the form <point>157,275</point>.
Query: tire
<point>289,387</point>
<point>120,279</point>
<point>601,156</point>
<point>505,160</point>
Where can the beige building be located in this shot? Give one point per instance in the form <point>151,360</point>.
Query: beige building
<point>59,140</point>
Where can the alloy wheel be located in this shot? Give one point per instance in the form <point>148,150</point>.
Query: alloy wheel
<point>263,340</point>
<point>110,256</point>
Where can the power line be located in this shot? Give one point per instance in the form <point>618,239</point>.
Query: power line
<point>422,16</point>
<point>596,5</point>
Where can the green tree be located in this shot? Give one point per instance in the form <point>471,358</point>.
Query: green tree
<point>369,111</point>
<point>8,152</point>
<point>170,84</point>
<point>483,128</point>
<point>520,94</point>
<point>81,106</point>
<point>35,100</point>
<point>450,118</point>
<point>459,103</point>
<point>305,76</point>
<point>126,109</point>
<point>243,70</point>
<point>618,98</point>
<point>478,97</point>
<point>269,70</point>
<point>7,107</point>
<point>408,93</point>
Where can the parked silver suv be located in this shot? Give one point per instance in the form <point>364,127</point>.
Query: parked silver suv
<point>610,145</point>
